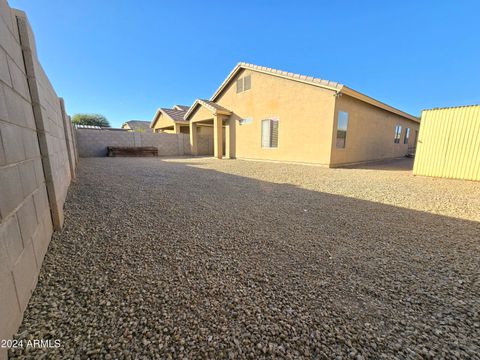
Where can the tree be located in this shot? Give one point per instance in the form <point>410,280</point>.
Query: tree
<point>90,119</point>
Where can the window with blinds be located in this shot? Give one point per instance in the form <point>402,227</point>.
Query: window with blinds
<point>407,136</point>
<point>269,133</point>
<point>239,85</point>
<point>342,126</point>
<point>247,83</point>
<point>244,84</point>
<point>398,134</point>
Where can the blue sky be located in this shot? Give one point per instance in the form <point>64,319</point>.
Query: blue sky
<point>124,59</point>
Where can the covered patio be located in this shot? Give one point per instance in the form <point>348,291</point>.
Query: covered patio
<point>207,113</point>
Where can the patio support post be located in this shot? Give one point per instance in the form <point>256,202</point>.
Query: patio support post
<point>217,136</point>
<point>228,154</point>
<point>193,138</point>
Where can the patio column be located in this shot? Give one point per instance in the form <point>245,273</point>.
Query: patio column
<point>227,140</point>
<point>193,138</point>
<point>218,136</point>
<point>230,131</point>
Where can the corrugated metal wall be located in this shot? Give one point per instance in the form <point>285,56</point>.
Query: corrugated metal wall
<point>449,143</point>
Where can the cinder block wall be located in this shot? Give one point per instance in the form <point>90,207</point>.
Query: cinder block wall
<point>36,166</point>
<point>93,143</point>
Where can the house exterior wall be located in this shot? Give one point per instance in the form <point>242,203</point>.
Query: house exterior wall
<point>164,122</point>
<point>449,143</point>
<point>370,133</point>
<point>305,114</point>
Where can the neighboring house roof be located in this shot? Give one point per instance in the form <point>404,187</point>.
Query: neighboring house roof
<point>326,84</point>
<point>174,114</point>
<point>181,107</point>
<point>210,105</point>
<point>137,124</point>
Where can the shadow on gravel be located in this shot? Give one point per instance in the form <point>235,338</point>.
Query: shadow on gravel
<point>402,164</point>
<point>163,259</point>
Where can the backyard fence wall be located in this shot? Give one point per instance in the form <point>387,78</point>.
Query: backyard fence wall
<point>449,143</point>
<point>37,163</point>
<point>94,142</point>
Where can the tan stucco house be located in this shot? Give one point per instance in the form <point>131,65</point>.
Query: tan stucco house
<point>267,114</point>
<point>172,120</point>
<point>137,126</point>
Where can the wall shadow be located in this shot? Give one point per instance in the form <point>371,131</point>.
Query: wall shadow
<point>400,164</point>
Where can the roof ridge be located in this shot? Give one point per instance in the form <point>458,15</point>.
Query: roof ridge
<point>310,80</point>
<point>299,76</point>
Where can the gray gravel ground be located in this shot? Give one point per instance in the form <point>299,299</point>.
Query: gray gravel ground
<point>235,259</point>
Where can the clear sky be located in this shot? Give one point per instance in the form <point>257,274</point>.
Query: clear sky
<point>124,59</point>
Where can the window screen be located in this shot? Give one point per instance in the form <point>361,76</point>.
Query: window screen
<point>239,85</point>
<point>274,133</point>
<point>269,133</point>
<point>342,129</point>
<point>247,83</point>
<point>407,136</point>
<point>398,134</point>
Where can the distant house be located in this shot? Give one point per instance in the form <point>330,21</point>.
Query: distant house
<point>267,114</point>
<point>137,126</point>
<point>168,120</point>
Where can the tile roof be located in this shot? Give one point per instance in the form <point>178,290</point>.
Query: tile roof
<point>285,74</point>
<point>177,113</point>
<point>174,114</point>
<point>137,124</point>
<point>181,107</point>
<point>327,84</point>
<point>210,105</point>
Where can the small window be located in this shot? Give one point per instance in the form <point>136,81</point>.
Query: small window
<point>244,84</point>
<point>269,133</point>
<point>407,136</point>
<point>398,134</point>
<point>247,83</point>
<point>239,85</point>
<point>342,129</point>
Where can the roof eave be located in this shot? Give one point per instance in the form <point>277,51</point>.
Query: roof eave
<point>200,102</point>
<point>282,74</point>
<point>190,111</point>
<point>155,118</point>
<point>358,95</point>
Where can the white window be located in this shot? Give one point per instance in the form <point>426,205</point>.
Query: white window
<point>342,125</point>
<point>398,134</point>
<point>269,133</point>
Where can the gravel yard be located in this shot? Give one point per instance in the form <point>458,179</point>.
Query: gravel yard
<point>200,258</point>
